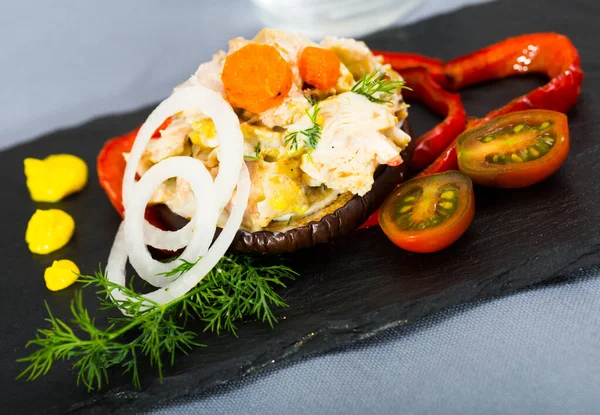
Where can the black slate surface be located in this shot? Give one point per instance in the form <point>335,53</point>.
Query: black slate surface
<point>351,288</point>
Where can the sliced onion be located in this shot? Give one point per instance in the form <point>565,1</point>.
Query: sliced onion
<point>117,261</point>
<point>211,197</point>
<point>118,255</point>
<point>168,240</point>
<point>193,97</point>
<point>204,221</point>
<point>191,278</point>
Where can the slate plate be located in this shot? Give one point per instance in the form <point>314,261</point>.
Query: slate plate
<point>349,289</point>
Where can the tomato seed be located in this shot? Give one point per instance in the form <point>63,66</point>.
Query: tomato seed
<point>448,194</point>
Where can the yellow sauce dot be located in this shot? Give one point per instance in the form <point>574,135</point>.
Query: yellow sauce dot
<point>545,124</point>
<point>55,177</point>
<point>405,209</point>
<point>449,195</point>
<point>446,205</point>
<point>61,274</point>
<point>49,230</point>
<point>516,158</point>
<point>518,128</point>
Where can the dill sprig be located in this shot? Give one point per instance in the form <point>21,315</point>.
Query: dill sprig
<point>235,289</point>
<point>376,83</point>
<point>312,99</point>
<point>311,135</point>
<point>180,269</point>
<point>256,154</point>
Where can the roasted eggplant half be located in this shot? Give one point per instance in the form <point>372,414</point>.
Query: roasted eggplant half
<point>340,218</point>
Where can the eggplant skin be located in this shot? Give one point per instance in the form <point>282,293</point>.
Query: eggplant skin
<point>342,221</point>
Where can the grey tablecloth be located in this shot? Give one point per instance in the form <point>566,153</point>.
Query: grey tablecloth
<point>535,352</point>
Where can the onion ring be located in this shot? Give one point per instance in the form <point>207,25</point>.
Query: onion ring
<point>204,220</point>
<point>193,97</point>
<point>135,233</point>
<point>117,260</point>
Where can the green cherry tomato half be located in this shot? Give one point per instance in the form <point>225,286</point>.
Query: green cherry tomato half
<point>429,213</point>
<point>515,150</point>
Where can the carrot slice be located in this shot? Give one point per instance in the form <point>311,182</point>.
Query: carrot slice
<point>256,77</point>
<point>319,67</point>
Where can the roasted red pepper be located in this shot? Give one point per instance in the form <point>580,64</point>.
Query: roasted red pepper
<point>163,126</point>
<point>111,167</point>
<point>549,53</point>
<point>111,164</point>
<point>401,61</point>
<point>447,104</point>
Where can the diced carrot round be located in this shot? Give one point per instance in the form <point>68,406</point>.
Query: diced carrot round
<point>319,67</point>
<point>256,77</point>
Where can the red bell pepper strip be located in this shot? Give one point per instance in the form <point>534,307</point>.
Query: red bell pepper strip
<point>373,220</point>
<point>401,61</point>
<point>163,126</point>
<point>431,144</point>
<point>446,161</point>
<point>111,167</point>
<point>549,53</point>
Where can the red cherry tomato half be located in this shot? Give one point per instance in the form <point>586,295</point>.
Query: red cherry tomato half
<point>429,213</point>
<point>515,150</point>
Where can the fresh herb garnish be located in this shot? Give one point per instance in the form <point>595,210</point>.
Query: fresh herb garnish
<point>375,83</point>
<point>256,154</point>
<point>233,290</point>
<point>180,269</point>
<point>312,100</point>
<point>311,135</point>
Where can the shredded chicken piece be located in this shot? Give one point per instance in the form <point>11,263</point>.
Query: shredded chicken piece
<point>355,139</point>
<point>171,142</point>
<point>354,54</point>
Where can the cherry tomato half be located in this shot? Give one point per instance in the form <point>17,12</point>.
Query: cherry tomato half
<point>429,213</point>
<point>515,150</point>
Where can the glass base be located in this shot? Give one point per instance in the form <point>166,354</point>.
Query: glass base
<point>347,18</point>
